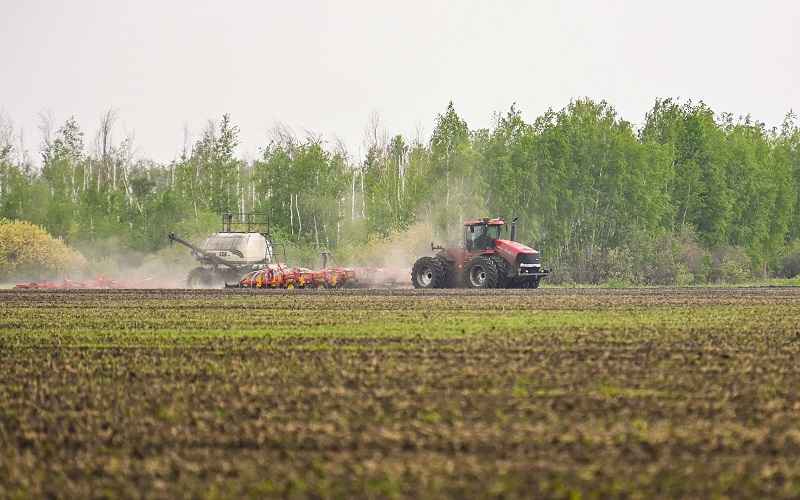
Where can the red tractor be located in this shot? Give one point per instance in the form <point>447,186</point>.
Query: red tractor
<point>485,261</point>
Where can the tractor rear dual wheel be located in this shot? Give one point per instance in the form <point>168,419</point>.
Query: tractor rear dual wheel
<point>427,272</point>
<point>448,276</point>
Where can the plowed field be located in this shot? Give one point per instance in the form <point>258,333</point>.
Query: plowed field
<point>558,393</point>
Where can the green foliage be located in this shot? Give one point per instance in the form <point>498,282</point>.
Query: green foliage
<point>455,170</point>
<point>29,252</point>
<point>300,186</point>
<point>729,265</point>
<point>693,197</point>
<point>394,184</point>
<point>209,177</point>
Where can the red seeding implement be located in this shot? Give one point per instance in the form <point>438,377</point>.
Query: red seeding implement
<point>101,283</point>
<point>485,261</point>
<point>291,278</point>
<point>279,276</point>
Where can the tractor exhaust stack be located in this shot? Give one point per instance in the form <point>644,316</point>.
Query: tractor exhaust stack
<point>514,229</point>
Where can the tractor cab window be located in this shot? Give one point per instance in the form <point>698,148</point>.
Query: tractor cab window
<point>480,237</point>
<point>492,233</point>
<point>472,234</point>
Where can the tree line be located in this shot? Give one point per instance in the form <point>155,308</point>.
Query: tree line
<point>690,196</point>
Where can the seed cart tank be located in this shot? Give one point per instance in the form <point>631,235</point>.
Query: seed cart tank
<point>243,244</point>
<point>237,248</point>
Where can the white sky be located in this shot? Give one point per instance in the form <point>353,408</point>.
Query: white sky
<point>326,67</point>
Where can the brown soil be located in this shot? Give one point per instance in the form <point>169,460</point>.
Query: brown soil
<point>557,393</point>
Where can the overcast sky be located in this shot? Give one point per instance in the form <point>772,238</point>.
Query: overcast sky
<point>326,67</point>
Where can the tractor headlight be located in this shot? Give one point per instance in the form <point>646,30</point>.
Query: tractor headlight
<point>529,268</point>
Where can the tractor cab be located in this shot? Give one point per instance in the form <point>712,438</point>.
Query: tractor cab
<point>480,235</point>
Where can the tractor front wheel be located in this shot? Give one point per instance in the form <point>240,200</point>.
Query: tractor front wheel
<point>526,285</point>
<point>481,272</point>
<point>502,271</point>
<point>427,273</point>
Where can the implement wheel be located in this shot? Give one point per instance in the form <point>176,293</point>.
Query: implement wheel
<point>199,278</point>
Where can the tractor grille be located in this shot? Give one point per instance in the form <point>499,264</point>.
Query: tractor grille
<point>528,258</point>
<point>528,263</point>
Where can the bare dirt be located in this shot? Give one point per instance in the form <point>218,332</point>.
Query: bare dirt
<point>557,393</point>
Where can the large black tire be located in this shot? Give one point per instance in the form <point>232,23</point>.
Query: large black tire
<point>527,284</point>
<point>502,271</point>
<point>481,272</point>
<point>427,273</point>
<point>198,278</point>
<point>448,276</point>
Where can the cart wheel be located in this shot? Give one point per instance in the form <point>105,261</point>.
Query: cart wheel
<point>290,285</point>
<point>321,285</point>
